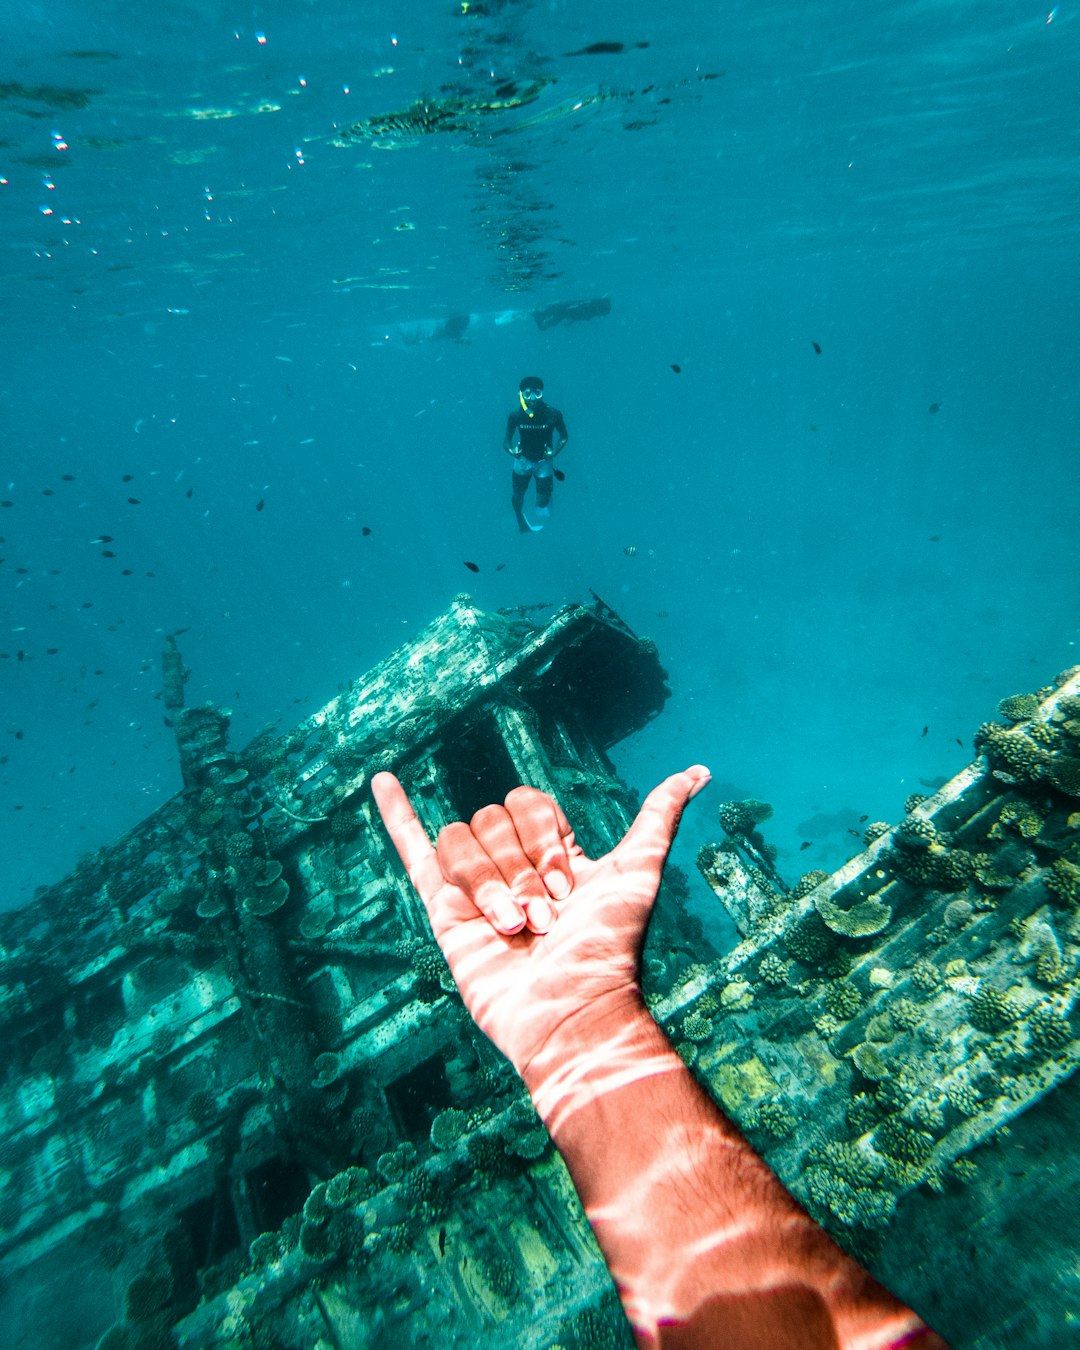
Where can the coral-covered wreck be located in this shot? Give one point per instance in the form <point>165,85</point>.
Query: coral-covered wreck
<point>243,1105</point>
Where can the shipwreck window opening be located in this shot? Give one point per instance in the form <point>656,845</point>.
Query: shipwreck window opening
<point>98,1007</point>
<point>210,1226</point>
<point>417,1097</point>
<point>276,1189</point>
<point>476,768</point>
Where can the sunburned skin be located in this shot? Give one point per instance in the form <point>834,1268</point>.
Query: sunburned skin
<point>706,1247</point>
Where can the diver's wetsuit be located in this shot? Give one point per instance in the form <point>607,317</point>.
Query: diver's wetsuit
<point>535,432</point>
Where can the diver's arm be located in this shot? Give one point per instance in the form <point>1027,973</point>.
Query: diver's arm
<point>706,1246</point>
<point>508,438</point>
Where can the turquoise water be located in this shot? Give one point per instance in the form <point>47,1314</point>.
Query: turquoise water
<point>846,556</point>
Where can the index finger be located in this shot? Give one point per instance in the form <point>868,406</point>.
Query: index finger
<point>408,836</point>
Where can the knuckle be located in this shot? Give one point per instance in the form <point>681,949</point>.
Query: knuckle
<point>486,817</point>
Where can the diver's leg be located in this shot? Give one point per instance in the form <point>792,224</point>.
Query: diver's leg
<point>517,500</point>
<point>545,482</point>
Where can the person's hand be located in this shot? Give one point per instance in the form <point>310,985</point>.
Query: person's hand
<point>535,933</point>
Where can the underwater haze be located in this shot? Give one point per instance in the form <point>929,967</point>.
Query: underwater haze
<point>801,277</point>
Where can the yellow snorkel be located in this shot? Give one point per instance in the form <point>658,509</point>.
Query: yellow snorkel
<point>533,386</point>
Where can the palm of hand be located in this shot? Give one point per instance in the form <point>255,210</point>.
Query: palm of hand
<point>523,987</point>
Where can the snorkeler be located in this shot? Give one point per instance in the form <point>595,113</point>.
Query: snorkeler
<point>535,433</point>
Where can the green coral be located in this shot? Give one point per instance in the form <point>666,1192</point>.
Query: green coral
<point>809,940</point>
<point>348,1188</point>
<point>1064,773</point>
<point>1062,879</point>
<point>239,846</point>
<point>808,882</point>
<point>899,1139</point>
<point>396,1162</point>
<point>1019,707</point>
<point>862,1112</point>
<point>773,970</point>
<point>1012,752</point>
<point>915,834</point>
<point>964,1098</point>
<point>1048,1030</point>
<point>842,999</point>
<point>869,1061</point>
<point>316,1210</point>
<point>874,831</point>
<point>992,1010</point>
<point>905,1013</point>
<point>743,817</point>
<point>862,920</point>
<point>327,1067</point>
<point>448,1128</point>
<point>265,900</point>
<point>265,1249</point>
<point>1018,817</point>
<point>774,1119</point>
<point>697,1028</point>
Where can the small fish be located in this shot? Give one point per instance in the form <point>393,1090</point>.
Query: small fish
<point>863,818</point>
<point>19,735</point>
<point>817,347</point>
<point>365,530</point>
<point>935,538</point>
<point>47,492</point>
<point>7,503</point>
<point>102,539</point>
<point>189,493</point>
<point>127,478</point>
<point>959,742</point>
<point>134,501</point>
<point>51,651</point>
<point>924,731</point>
<point>559,475</point>
<point>127,572</point>
<point>806,843</point>
<point>68,477</point>
<point>935,407</point>
<point>630,550</point>
<point>500,567</point>
<point>676,369</point>
<point>260,504</point>
<point>107,553</point>
<point>472,567</point>
<point>855,833</point>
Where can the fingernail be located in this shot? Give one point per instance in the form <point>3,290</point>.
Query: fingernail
<point>703,781</point>
<point>557,884</point>
<point>509,919</point>
<point>541,916</point>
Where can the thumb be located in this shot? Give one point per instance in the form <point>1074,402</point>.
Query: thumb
<point>647,842</point>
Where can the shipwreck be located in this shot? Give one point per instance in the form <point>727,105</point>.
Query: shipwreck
<point>243,1105</point>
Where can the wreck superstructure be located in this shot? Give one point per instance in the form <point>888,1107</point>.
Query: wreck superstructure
<point>899,1040</point>
<point>235,1060</point>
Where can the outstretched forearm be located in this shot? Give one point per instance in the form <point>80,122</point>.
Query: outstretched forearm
<point>705,1245</point>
